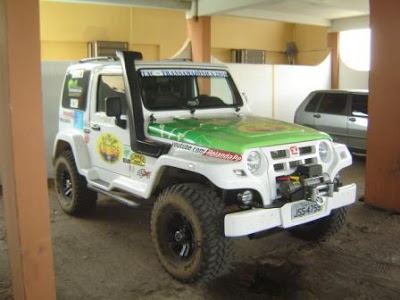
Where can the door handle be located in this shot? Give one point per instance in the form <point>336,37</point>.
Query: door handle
<point>96,127</point>
<point>317,116</point>
<point>352,119</point>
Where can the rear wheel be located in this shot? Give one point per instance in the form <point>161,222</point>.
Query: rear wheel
<point>321,229</point>
<point>71,187</point>
<point>188,234</point>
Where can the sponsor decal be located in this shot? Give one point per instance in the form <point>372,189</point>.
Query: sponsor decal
<point>78,119</point>
<point>208,152</point>
<point>127,155</point>
<point>86,137</point>
<point>142,173</point>
<point>74,89</point>
<point>132,158</point>
<point>191,148</point>
<point>109,148</point>
<point>138,159</point>
<point>74,103</point>
<point>65,120</point>
<point>294,151</point>
<point>223,155</point>
<point>68,114</point>
<point>105,119</point>
<point>182,72</point>
<point>77,73</point>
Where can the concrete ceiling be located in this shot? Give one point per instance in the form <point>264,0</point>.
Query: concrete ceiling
<point>315,12</point>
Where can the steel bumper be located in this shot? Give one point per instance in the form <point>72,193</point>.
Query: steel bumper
<point>259,219</point>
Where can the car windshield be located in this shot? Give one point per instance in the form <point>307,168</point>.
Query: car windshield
<point>164,89</point>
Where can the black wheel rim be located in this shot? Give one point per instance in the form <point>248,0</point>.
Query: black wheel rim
<point>178,239</point>
<point>65,184</point>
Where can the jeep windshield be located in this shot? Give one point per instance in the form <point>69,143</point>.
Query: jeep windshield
<point>169,89</point>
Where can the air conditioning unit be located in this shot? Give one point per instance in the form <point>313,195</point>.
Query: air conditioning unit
<point>105,48</point>
<point>247,56</point>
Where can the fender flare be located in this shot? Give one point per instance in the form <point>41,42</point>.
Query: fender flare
<point>77,144</point>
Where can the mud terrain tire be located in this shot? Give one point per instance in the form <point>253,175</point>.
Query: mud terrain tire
<point>187,228</point>
<point>321,229</point>
<point>71,187</point>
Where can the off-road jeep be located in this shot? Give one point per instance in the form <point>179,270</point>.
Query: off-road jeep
<point>179,132</point>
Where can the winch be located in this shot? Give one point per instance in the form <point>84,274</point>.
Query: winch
<point>307,183</point>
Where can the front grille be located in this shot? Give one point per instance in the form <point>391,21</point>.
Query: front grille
<point>306,150</point>
<point>278,154</point>
<point>285,159</point>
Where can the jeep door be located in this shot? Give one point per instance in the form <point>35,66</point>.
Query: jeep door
<point>358,121</point>
<point>331,116</point>
<point>108,142</point>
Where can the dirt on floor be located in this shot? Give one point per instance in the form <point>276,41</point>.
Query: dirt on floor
<point>109,255</point>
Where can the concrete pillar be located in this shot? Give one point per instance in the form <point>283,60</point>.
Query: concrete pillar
<point>199,32</point>
<point>22,154</point>
<point>383,154</point>
<point>333,44</point>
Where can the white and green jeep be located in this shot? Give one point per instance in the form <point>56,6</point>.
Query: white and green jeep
<point>179,132</point>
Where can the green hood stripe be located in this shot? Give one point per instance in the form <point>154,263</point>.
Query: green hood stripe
<point>234,134</point>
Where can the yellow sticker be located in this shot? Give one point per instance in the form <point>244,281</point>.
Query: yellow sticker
<point>138,159</point>
<point>109,148</point>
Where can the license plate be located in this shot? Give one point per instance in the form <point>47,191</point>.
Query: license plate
<point>303,209</point>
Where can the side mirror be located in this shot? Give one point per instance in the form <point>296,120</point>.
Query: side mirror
<point>113,107</point>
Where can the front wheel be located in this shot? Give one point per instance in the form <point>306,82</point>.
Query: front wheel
<point>320,230</point>
<point>188,233</point>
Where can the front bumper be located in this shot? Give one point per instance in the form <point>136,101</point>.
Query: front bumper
<point>259,219</point>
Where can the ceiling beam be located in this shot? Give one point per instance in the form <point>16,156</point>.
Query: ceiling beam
<point>212,7</point>
<point>168,4</point>
<point>281,17</point>
<point>350,23</point>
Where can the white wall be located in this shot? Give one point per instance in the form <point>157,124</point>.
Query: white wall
<point>294,83</point>
<point>352,79</point>
<point>255,81</point>
<point>275,91</point>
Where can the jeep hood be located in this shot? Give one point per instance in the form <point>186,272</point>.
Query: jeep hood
<point>234,134</point>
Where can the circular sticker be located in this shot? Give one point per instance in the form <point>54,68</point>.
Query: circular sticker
<point>109,147</point>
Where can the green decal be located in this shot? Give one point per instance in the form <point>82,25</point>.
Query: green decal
<point>234,134</point>
<point>74,90</point>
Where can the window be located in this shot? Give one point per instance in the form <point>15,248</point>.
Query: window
<point>75,89</point>
<point>188,89</point>
<point>359,106</point>
<point>312,105</point>
<point>333,103</point>
<point>355,48</point>
<point>110,86</point>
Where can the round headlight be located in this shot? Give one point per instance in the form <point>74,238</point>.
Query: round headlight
<point>324,152</point>
<point>253,161</point>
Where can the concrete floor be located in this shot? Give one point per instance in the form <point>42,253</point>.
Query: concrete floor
<point>109,255</point>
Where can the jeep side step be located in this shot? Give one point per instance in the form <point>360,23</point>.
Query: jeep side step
<point>113,196</point>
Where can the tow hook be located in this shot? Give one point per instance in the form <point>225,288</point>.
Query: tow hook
<point>317,192</point>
